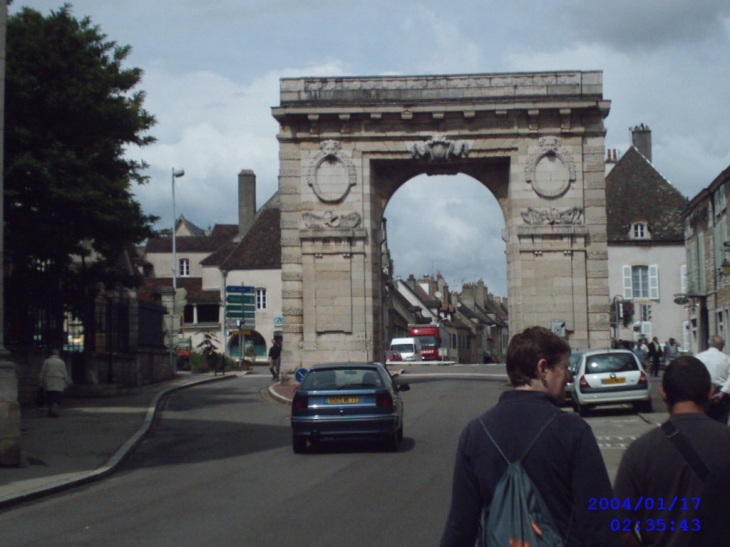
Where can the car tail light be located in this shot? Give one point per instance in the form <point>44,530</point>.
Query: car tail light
<point>384,401</point>
<point>643,379</point>
<point>583,381</point>
<point>299,402</point>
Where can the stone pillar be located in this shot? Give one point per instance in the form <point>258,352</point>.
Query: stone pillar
<point>9,407</point>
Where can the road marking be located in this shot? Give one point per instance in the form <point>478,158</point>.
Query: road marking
<point>620,443</point>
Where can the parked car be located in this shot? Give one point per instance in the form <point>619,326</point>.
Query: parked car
<point>609,376</point>
<point>392,355</point>
<point>347,400</point>
<point>573,360</point>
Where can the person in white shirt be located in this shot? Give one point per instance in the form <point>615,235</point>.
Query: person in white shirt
<point>718,365</point>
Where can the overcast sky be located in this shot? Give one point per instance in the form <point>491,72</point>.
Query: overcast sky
<point>212,72</point>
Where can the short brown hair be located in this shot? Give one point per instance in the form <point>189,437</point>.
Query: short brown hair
<point>527,348</point>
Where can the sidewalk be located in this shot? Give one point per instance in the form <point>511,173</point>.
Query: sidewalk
<point>89,441</point>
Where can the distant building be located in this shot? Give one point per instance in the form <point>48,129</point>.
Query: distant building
<point>247,254</point>
<point>707,297</point>
<point>646,255</point>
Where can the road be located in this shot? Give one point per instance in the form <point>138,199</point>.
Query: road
<point>218,470</point>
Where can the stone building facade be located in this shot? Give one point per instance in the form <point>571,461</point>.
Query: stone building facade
<point>535,140</point>
<point>707,299</point>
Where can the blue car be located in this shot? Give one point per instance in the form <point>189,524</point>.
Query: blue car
<point>344,400</point>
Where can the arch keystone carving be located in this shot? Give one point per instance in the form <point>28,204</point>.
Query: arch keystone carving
<point>439,148</point>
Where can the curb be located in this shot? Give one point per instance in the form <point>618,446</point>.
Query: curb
<point>116,460</point>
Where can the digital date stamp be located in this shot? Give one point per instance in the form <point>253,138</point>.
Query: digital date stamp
<point>676,521</point>
<point>644,504</point>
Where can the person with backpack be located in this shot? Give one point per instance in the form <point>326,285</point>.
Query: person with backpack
<point>663,474</point>
<point>526,472</point>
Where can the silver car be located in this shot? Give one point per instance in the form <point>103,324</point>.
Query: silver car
<point>609,376</point>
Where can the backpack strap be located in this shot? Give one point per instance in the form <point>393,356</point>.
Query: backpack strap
<point>688,453</point>
<point>532,443</point>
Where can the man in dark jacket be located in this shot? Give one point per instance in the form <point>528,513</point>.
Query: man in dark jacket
<point>565,463</point>
<point>275,359</point>
<point>655,356</point>
<point>653,467</point>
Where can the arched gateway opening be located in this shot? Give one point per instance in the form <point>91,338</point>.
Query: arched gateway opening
<point>536,141</point>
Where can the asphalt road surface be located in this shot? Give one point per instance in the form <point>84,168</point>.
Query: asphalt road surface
<point>218,470</point>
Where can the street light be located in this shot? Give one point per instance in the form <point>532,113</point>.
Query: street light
<point>176,173</point>
<point>618,306</point>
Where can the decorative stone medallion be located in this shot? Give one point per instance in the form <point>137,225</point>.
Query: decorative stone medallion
<point>330,174</point>
<point>551,170</point>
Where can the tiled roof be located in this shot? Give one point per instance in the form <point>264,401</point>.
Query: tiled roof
<point>635,191</point>
<point>260,249</point>
<point>193,286</point>
<point>221,234</point>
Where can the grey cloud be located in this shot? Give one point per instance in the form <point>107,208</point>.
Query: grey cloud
<point>647,24</point>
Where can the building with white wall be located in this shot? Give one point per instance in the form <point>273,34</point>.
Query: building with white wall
<point>646,254</point>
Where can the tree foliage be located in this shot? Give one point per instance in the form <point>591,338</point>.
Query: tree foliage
<point>72,108</point>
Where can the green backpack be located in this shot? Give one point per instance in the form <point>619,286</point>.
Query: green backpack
<point>518,516</point>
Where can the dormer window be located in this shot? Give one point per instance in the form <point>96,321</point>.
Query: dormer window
<point>639,230</point>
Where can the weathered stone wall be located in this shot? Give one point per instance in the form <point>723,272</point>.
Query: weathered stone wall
<point>536,141</point>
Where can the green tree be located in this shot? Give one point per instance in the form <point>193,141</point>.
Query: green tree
<point>71,111</point>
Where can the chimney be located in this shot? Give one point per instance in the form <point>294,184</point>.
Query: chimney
<point>246,201</point>
<point>411,282</point>
<point>641,139</point>
<point>481,293</point>
<point>467,295</point>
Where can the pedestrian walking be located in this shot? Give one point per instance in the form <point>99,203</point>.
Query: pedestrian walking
<point>671,350</point>
<point>661,465</point>
<point>54,379</point>
<point>640,351</point>
<point>655,356</point>
<point>563,461</point>
<point>718,365</point>
<point>275,359</point>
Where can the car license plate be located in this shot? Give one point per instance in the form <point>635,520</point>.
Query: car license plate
<point>342,400</point>
<point>619,380</point>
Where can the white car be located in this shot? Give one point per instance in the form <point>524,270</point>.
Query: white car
<point>609,376</point>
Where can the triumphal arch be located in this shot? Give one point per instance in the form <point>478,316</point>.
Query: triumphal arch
<point>535,140</point>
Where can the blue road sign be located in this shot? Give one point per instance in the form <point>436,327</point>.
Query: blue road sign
<point>240,288</point>
<point>300,374</point>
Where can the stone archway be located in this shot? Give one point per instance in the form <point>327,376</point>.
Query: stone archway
<point>536,141</point>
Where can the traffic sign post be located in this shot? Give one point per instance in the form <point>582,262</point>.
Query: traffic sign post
<point>241,305</point>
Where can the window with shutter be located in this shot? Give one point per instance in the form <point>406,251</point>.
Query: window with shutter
<point>628,294</point>
<point>654,282</point>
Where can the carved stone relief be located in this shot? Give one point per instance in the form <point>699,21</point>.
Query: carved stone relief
<point>330,174</point>
<point>330,220</point>
<point>439,149</point>
<point>551,170</point>
<point>552,216</point>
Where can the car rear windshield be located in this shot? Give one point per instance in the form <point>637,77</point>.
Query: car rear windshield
<point>341,379</point>
<point>610,362</point>
<point>404,348</point>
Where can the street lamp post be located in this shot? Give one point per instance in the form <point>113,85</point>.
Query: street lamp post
<point>176,173</point>
<point>618,301</point>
